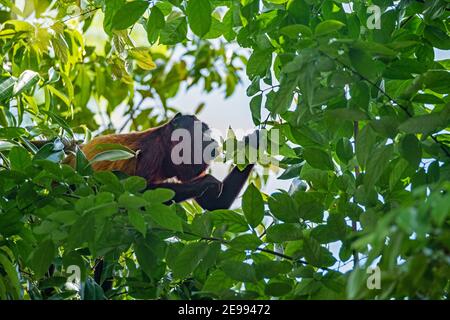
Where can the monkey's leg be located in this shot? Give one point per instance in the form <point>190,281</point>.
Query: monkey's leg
<point>231,186</point>
<point>191,189</point>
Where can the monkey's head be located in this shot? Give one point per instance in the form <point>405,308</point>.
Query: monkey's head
<point>193,149</point>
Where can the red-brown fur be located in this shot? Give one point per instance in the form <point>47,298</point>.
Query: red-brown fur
<point>153,161</point>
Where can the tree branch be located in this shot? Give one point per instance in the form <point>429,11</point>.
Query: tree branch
<point>226,242</point>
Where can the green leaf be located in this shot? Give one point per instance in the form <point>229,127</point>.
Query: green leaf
<point>258,63</point>
<point>277,288</point>
<point>60,121</point>
<point>233,221</point>
<point>128,14</point>
<point>270,269</point>
<point>7,88</point>
<point>164,216</point>
<point>174,31</point>
<point>131,201</point>
<point>357,281</point>
<point>293,171</point>
<point>365,143</point>
<point>61,49</point>
<point>111,8</point>
<point>159,195</point>
<point>13,277</point>
<point>410,149</point>
<point>92,290</point>
<point>6,145</point>
<point>317,255</point>
<point>437,80</point>
<point>50,152</point>
<point>112,155</point>
<point>294,30</point>
<point>386,126</point>
<point>360,95</point>
<point>143,58</point>
<point>82,164</point>
<point>155,23</point>
<point>255,108</point>
<point>217,282</point>
<point>441,208</point>
<point>20,158</point>
<point>344,150</point>
<point>199,16</point>
<point>364,63</point>
<point>438,38</point>
<point>188,259</point>
<point>149,253</point>
<point>376,164</point>
<point>433,172</point>
<point>283,207</point>
<point>26,80</point>
<point>134,184</point>
<point>42,257</point>
<point>426,124</point>
<point>245,242</point>
<point>67,217</point>
<point>254,87</point>
<point>137,220</point>
<point>328,26</point>
<point>318,158</point>
<point>284,232</point>
<point>239,271</point>
<point>397,172</point>
<point>427,98</point>
<point>217,29</point>
<point>310,205</point>
<point>352,114</point>
<point>82,232</point>
<point>284,96</point>
<point>253,205</point>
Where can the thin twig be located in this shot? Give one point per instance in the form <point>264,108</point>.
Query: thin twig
<point>265,230</point>
<point>131,117</point>
<point>269,88</point>
<point>81,14</point>
<point>357,173</point>
<point>226,242</point>
<point>264,123</point>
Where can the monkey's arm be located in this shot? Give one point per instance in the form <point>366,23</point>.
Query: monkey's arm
<point>192,189</point>
<point>231,185</point>
<point>212,199</point>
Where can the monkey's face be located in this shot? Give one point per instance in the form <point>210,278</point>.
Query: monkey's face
<point>193,149</point>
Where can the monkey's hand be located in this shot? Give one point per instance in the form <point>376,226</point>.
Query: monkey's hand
<point>211,185</point>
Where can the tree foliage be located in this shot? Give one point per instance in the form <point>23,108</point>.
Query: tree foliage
<point>363,114</point>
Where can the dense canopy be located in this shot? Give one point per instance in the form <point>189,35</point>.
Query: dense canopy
<point>358,91</point>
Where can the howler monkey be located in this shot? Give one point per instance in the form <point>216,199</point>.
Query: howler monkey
<point>154,162</point>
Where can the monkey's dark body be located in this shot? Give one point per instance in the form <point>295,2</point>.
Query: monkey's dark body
<point>154,163</point>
